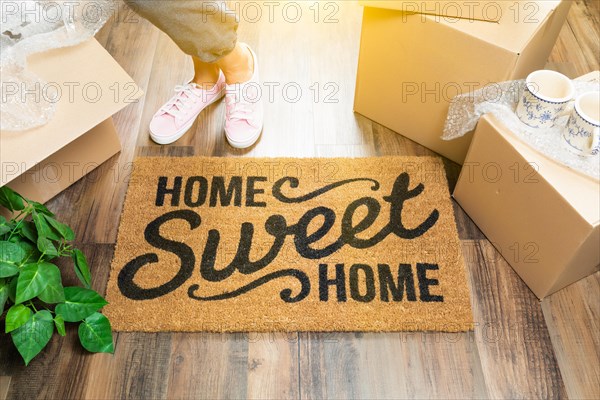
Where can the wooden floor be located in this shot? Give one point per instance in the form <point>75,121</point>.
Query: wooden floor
<point>521,348</point>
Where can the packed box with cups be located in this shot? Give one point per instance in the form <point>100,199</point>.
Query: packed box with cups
<point>451,75</point>
<point>530,179</point>
<point>548,95</point>
<point>416,56</point>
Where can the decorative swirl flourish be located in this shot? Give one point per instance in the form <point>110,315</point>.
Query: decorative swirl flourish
<point>286,294</point>
<point>294,183</point>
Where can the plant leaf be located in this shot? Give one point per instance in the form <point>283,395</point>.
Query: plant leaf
<point>46,246</point>
<point>11,253</point>
<point>44,230</point>
<point>81,268</point>
<point>59,322</point>
<point>80,303</point>
<point>31,251</point>
<point>8,270</point>
<point>30,283</point>
<point>40,208</point>
<point>5,227</point>
<point>53,292</point>
<point>3,294</point>
<point>32,337</point>
<point>11,199</point>
<point>64,230</point>
<point>95,334</point>
<point>16,317</point>
<point>29,231</point>
<point>12,289</point>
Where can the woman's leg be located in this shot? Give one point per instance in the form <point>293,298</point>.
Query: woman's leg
<point>237,66</point>
<point>206,75</point>
<point>244,117</point>
<point>204,29</point>
<point>207,31</point>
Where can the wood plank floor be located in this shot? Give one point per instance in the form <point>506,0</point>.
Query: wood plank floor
<point>521,348</point>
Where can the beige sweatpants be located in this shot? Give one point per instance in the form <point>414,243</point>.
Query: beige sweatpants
<point>206,29</point>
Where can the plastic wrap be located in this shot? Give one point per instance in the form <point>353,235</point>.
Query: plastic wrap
<point>501,99</point>
<point>34,26</point>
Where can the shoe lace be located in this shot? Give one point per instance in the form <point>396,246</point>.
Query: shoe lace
<point>238,108</point>
<point>182,101</point>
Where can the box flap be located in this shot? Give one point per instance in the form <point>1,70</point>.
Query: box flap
<point>592,77</point>
<point>508,24</point>
<point>469,10</point>
<point>519,22</point>
<point>539,46</point>
<point>93,87</point>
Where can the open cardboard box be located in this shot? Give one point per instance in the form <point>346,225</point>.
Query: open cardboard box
<point>413,63</point>
<point>42,162</point>
<point>543,217</point>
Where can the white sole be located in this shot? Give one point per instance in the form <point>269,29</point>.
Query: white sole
<point>245,144</point>
<point>163,140</point>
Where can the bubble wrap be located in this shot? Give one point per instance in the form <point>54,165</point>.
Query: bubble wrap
<point>34,26</point>
<point>501,99</point>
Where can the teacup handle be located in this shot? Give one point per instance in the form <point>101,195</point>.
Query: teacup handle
<point>568,109</point>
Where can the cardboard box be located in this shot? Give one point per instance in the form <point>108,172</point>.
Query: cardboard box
<point>42,162</point>
<point>470,10</point>
<point>412,64</point>
<point>541,216</point>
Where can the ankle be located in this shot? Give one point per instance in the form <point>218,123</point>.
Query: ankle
<point>206,78</point>
<point>205,83</point>
<point>239,69</point>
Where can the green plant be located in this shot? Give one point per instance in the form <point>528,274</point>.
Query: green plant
<point>31,289</point>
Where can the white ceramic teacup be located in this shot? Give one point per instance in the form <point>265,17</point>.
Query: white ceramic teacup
<point>582,133</point>
<point>546,97</point>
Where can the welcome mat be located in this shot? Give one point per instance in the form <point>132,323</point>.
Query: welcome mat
<point>241,244</point>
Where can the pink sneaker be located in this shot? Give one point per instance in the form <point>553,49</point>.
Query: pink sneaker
<point>177,116</point>
<point>244,121</point>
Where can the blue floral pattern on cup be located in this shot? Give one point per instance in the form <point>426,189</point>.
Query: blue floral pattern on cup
<point>537,112</point>
<point>579,136</point>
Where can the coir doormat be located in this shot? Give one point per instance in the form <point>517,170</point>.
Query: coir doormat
<point>236,244</point>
